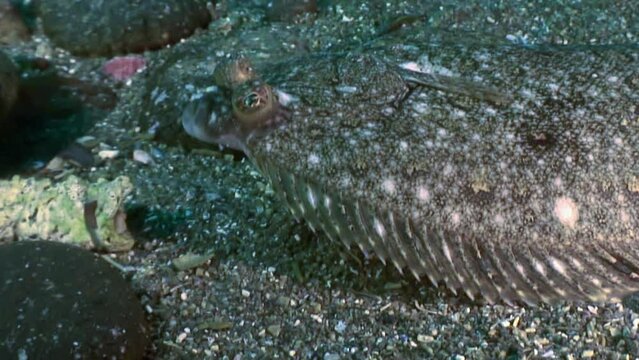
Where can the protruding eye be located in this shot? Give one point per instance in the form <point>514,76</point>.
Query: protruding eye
<point>233,73</point>
<point>255,107</point>
<point>245,69</point>
<point>252,100</point>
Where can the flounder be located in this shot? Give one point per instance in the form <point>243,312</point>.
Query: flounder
<point>508,173</point>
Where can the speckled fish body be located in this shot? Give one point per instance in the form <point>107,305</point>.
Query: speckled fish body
<point>513,175</point>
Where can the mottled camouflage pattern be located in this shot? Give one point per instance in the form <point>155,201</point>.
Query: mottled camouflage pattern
<point>516,178</point>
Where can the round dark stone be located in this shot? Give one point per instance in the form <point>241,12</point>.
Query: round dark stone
<point>102,28</point>
<point>62,302</point>
<point>288,10</point>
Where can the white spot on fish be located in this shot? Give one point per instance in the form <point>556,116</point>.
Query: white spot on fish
<point>552,87</point>
<point>621,199</point>
<point>388,185</point>
<point>372,243</point>
<point>420,107</point>
<point>527,93</point>
<point>539,267</point>
<point>455,218</point>
<point>558,265</point>
<point>310,195</point>
<point>313,159</point>
<point>577,264</point>
<point>327,202</point>
<point>285,98</point>
<point>447,252</point>
<point>379,228</point>
<point>458,113</point>
<point>411,65</point>
<point>346,89</point>
<point>423,194</point>
<point>520,269</point>
<point>624,217</point>
<point>557,182</point>
<point>448,169</point>
<point>566,211</point>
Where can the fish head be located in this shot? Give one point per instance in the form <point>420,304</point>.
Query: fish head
<point>234,119</point>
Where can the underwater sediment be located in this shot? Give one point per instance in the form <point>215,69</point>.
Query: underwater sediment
<point>273,288</point>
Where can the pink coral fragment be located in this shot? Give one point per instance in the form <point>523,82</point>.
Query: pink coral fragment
<point>122,68</point>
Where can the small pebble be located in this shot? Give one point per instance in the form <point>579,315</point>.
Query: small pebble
<point>283,301</point>
<point>181,338</point>
<point>142,157</point>
<point>274,330</point>
<point>215,325</point>
<point>190,260</point>
<point>330,356</point>
<point>87,141</point>
<point>56,164</point>
<point>108,154</point>
<point>425,338</point>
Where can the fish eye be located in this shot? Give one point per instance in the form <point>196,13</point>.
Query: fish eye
<point>252,100</point>
<point>233,72</point>
<point>255,106</point>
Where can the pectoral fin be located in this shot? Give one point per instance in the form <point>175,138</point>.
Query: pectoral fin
<point>457,85</point>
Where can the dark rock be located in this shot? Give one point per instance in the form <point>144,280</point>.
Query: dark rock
<point>67,303</point>
<point>102,28</point>
<point>8,85</point>
<point>12,28</point>
<point>289,10</point>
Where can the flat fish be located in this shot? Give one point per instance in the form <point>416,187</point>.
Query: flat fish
<point>507,173</point>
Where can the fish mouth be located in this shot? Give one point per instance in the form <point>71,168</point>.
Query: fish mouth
<point>209,120</point>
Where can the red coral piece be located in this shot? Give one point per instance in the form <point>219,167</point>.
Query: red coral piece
<point>122,68</point>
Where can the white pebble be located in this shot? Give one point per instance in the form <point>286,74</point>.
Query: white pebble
<point>108,154</point>
<point>142,156</point>
<point>181,338</point>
